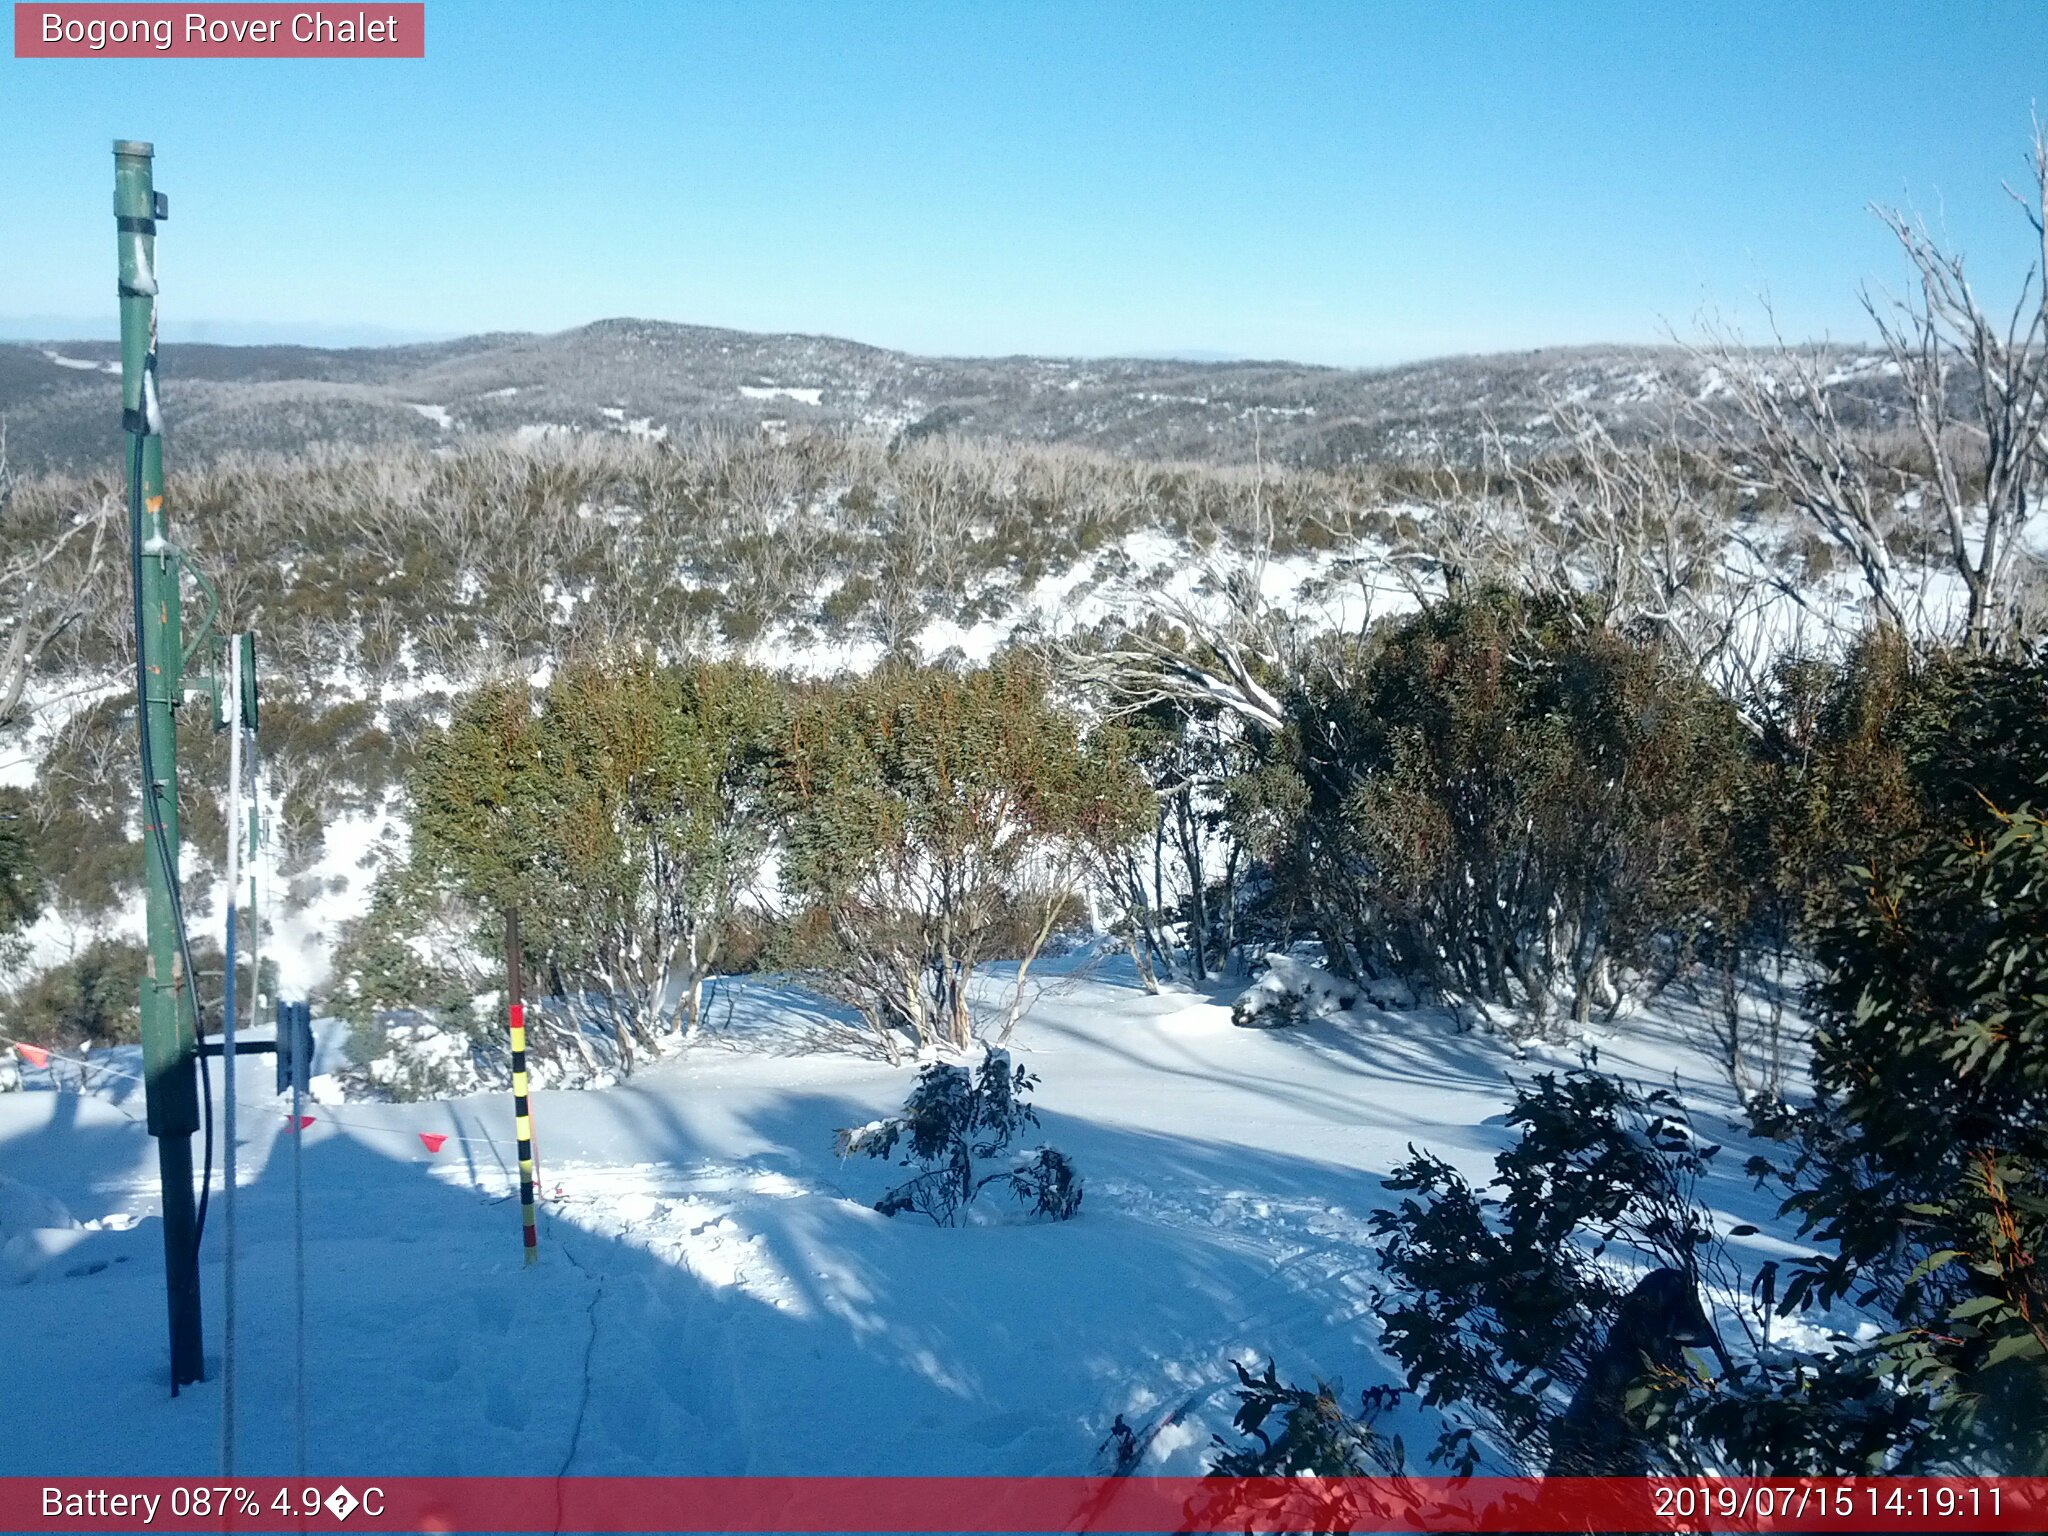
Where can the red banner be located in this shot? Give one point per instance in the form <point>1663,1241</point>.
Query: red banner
<point>371,30</point>
<point>1024,1504</point>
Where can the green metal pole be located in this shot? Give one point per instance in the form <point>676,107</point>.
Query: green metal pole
<point>169,1039</point>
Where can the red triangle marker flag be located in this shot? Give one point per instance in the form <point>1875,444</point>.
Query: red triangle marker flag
<point>434,1140</point>
<point>34,1055</point>
<point>304,1121</point>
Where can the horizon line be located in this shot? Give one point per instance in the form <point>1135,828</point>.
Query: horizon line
<point>42,331</point>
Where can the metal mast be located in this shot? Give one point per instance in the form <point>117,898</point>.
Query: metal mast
<point>169,1034</point>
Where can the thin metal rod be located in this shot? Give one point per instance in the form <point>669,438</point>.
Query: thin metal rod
<point>300,1070</point>
<point>228,1014</point>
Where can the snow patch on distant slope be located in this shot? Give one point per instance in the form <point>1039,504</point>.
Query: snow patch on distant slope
<point>83,364</point>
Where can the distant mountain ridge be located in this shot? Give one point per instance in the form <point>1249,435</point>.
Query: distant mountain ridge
<point>654,378</point>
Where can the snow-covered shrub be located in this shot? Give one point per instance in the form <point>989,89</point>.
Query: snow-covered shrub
<point>1047,1183</point>
<point>956,1123</point>
<point>422,1061</point>
<point>1289,992</point>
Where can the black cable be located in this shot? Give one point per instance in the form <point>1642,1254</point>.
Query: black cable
<point>153,820</point>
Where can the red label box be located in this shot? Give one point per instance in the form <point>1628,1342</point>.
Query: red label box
<point>367,29</point>
<point>1023,1504</point>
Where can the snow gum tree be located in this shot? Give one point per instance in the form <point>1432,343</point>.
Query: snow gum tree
<point>933,820</point>
<point>41,595</point>
<point>658,778</point>
<point>1500,798</point>
<point>1973,374</point>
<point>1183,872</point>
<point>624,817</point>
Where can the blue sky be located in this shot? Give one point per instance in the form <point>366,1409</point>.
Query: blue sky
<point>1346,183</point>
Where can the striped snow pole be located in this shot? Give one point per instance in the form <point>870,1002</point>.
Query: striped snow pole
<point>522,1107</point>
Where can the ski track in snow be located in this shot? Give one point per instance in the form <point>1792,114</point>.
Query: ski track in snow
<point>715,1294</point>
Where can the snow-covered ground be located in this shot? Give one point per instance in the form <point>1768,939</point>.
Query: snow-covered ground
<point>715,1294</point>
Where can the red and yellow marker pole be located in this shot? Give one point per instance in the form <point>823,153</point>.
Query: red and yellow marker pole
<point>522,1107</point>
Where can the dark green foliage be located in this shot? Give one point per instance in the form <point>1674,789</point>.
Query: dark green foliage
<point>930,817</point>
<point>1503,799</point>
<point>1868,762</point>
<point>1785,1413</point>
<point>1305,1432</point>
<point>1496,1298</point>
<point>928,820</point>
<point>622,813</point>
<point>407,951</point>
<point>954,1121</point>
<point>1496,1309</point>
<point>1873,761</point>
<point>90,999</point>
<point>1875,840</point>
<point>1922,1161</point>
<point>1871,832</point>
<point>476,799</point>
<point>1047,1184</point>
<point>21,875</point>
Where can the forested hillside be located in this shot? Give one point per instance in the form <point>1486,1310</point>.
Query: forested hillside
<point>640,378</point>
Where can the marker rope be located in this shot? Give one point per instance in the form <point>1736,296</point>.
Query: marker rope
<point>38,1055</point>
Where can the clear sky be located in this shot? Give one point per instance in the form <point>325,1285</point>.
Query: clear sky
<point>1346,183</point>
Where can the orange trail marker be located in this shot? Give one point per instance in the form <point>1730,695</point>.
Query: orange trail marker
<point>433,1140</point>
<point>34,1055</point>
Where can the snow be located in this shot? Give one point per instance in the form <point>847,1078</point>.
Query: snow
<point>437,414</point>
<point>1290,991</point>
<point>716,1294</point>
<point>637,426</point>
<point>84,364</point>
<point>803,396</point>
